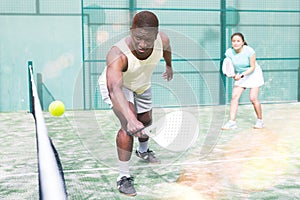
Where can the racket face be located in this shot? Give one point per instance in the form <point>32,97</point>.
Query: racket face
<point>228,68</point>
<point>176,131</point>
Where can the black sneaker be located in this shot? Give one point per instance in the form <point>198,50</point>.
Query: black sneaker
<point>147,156</point>
<point>125,186</point>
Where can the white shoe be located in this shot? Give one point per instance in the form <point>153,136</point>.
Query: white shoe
<point>229,125</point>
<point>259,124</point>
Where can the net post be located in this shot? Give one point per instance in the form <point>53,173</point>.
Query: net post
<point>40,89</point>
<point>50,172</point>
<point>132,9</point>
<point>222,83</point>
<point>30,66</point>
<point>298,83</point>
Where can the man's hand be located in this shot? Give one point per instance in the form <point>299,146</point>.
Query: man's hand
<point>168,74</point>
<point>134,128</point>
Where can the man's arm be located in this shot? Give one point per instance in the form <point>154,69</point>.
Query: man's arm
<point>167,54</point>
<point>116,64</point>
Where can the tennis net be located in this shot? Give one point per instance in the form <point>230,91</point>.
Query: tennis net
<point>51,177</point>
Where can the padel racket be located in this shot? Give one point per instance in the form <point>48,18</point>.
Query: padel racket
<point>176,131</point>
<point>227,67</point>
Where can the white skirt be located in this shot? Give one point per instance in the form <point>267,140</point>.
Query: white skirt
<point>255,79</point>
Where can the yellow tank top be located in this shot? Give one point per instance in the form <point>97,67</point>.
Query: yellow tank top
<point>138,75</point>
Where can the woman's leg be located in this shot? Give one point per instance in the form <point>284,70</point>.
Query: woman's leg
<point>236,94</point>
<point>254,100</point>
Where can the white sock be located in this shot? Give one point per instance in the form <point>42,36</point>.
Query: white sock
<point>123,169</point>
<point>143,147</point>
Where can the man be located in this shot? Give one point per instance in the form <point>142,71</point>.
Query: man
<point>126,85</point>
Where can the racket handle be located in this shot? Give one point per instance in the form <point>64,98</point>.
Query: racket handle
<point>134,133</point>
<point>129,133</point>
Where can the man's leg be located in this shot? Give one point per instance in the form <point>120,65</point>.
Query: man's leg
<point>143,150</point>
<point>143,104</point>
<point>124,149</point>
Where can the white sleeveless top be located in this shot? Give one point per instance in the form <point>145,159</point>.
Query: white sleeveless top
<point>138,75</point>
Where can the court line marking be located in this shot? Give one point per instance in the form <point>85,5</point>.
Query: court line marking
<point>114,170</point>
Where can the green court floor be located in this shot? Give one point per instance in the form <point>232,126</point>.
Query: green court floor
<point>238,164</point>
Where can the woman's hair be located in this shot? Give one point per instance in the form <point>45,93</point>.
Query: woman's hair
<point>241,35</point>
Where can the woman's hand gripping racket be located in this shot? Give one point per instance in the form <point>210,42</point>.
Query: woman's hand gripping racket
<point>227,68</point>
<point>176,131</point>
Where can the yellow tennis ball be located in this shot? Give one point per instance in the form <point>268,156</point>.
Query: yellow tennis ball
<point>56,108</point>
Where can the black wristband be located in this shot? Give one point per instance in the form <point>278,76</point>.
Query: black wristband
<point>242,76</point>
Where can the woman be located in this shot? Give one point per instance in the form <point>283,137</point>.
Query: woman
<point>248,74</point>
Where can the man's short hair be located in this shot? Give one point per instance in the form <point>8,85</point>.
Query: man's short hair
<point>145,19</point>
